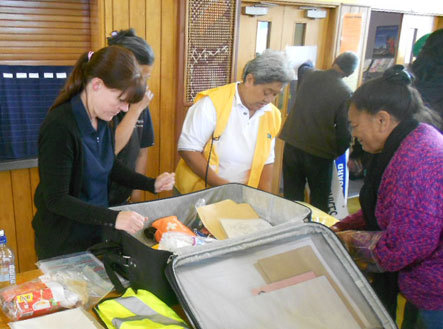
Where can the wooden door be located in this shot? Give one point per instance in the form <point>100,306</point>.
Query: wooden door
<point>287,26</point>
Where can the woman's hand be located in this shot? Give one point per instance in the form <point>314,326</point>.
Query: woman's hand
<point>335,228</point>
<point>164,182</point>
<point>130,221</point>
<point>346,238</point>
<point>141,105</point>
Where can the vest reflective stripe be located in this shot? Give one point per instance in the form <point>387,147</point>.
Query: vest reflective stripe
<point>143,311</point>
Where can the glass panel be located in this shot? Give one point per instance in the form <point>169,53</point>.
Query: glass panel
<point>263,34</point>
<point>299,34</point>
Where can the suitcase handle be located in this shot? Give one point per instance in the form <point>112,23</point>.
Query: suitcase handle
<point>112,262</point>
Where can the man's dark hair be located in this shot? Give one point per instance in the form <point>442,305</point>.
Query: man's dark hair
<point>347,61</point>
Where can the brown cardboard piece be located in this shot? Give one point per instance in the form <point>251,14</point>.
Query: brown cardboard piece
<point>212,214</point>
<point>298,261</point>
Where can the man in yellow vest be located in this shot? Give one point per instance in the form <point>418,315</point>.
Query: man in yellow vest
<point>234,126</point>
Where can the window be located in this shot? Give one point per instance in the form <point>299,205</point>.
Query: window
<point>263,35</point>
<point>299,34</point>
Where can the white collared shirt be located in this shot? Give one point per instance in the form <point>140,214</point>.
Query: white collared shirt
<point>236,145</point>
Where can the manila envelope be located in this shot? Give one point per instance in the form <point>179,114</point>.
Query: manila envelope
<point>212,213</point>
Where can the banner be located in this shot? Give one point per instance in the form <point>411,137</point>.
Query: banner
<point>339,188</point>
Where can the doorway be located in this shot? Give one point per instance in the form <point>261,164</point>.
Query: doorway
<point>277,26</point>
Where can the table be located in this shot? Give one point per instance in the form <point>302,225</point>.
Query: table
<point>30,275</point>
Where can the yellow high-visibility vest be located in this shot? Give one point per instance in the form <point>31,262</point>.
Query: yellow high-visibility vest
<point>141,310</point>
<point>187,181</point>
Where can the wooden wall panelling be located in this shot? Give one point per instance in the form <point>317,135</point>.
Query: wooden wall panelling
<point>22,195</point>
<point>168,85</point>
<point>152,34</point>
<point>34,179</point>
<point>7,220</point>
<point>120,15</point>
<point>181,104</point>
<point>43,32</point>
<point>97,22</point>
<point>137,17</point>
<point>108,18</point>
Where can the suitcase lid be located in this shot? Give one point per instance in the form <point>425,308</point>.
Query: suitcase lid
<point>293,275</point>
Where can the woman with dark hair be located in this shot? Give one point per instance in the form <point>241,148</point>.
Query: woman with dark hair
<point>428,71</point>
<point>76,155</point>
<point>134,132</point>
<point>397,235</point>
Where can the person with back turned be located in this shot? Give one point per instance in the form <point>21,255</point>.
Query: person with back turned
<point>316,132</point>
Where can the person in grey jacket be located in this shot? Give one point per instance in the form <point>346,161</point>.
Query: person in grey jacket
<point>316,130</point>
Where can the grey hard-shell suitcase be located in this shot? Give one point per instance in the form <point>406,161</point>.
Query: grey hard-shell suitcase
<point>232,283</point>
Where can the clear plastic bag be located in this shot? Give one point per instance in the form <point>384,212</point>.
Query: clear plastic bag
<point>81,272</point>
<point>172,241</point>
<point>86,283</point>
<point>35,298</point>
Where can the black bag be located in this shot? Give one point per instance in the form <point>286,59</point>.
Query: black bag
<point>141,265</point>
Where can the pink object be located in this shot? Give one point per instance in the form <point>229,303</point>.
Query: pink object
<point>90,55</point>
<point>284,283</point>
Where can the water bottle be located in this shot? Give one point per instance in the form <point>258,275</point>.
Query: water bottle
<point>7,263</point>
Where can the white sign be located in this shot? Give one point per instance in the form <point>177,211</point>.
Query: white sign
<point>298,55</point>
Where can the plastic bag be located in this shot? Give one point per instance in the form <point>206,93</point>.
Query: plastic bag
<point>35,298</point>
<point>81,272</point>
<point>172,241</point>
<point>87,284</point>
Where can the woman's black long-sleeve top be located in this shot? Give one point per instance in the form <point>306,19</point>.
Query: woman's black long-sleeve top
<point>63,222</point>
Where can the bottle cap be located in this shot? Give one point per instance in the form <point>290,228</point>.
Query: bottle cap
<point>2,237</point>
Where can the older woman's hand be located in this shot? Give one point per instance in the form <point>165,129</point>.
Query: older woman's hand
<point>164,182</point>
<point>346,238</point>
<point>130,221</point>
<point>335,228</point>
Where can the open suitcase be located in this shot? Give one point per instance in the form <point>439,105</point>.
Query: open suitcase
<point>296,274</point>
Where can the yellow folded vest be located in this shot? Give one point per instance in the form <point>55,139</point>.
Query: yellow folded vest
<point>138,310</point>
<point>187,181</point>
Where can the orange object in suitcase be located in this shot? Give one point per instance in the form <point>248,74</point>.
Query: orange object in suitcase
<point>169,224</point>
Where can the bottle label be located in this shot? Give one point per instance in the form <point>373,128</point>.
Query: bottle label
<point>4,273</point>
<point>12,274</point>
<point>7,274</point>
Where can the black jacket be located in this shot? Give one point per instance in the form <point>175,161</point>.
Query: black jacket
<point>318,122</point>
<point>64,223</point>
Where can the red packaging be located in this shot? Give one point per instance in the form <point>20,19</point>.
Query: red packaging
<point>30,299</point>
